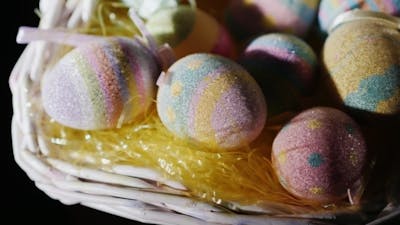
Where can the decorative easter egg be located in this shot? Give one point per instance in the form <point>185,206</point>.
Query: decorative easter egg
<point>184,29</point>
<point>283,65</point>
<point>362,60</point>
<point>246,18</point>
<point>330,9</point>
<point>101,85</point>
<point>211,100</point>
<point>319,155</point>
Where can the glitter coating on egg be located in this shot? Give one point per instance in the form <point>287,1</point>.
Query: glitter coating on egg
<point>246,18</point>
<point>330,9</point>
<point>283,65</point>
<point>184,29</point>
<point>211,100</point>
<point>362,60</point>
<point>319,155</point>
<point>101,85</point>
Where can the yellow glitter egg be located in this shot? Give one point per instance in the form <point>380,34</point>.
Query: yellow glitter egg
<point>362,58</point>
<point>183,28</point>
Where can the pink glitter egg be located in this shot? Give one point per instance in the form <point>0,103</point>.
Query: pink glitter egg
<point>319,155</point>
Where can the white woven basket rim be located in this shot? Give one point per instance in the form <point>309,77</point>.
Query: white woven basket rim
<point>125,191</point>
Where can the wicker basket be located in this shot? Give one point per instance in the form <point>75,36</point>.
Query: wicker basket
<point>133,193</point>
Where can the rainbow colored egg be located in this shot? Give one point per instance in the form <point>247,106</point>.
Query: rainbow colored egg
<point>211,100</point>
<point>362,60</point>
<point>320,155</point>
<point>283,65</point>
<point>246,18</point>
<point>184,29</point>
<point>101,85</point>
<point>330,9</point>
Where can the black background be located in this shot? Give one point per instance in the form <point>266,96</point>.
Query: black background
<point>23,201</point>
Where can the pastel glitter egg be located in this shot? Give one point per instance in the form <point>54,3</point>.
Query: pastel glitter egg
<point>246,18</point>
<point>211,100</point>
<point>319,155</point>
<point>362,60</point>
<point>184,29</point>
<point>103,84</point>
<point>330,9</point>
<point>283,65</point>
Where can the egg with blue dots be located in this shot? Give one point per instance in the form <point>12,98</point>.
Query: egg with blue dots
<point>319,155</point>
<point>361,60</point>
<point>188,30</point>
<point>212,101</point>
<point>330,9</point>
<point>285,68</point>
<point>100,85</point>
<point>247,18</point>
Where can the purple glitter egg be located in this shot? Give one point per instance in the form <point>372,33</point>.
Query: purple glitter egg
<point>246,18</point>
<point>284,66</point>
<point>319,155</point>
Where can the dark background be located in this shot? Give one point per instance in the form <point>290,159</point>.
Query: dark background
<point>23,201</point>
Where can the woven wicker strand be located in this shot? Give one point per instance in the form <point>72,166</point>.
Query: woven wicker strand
<point>135,193</point>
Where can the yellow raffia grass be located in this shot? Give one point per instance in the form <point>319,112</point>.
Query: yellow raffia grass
<point>243,175</point>
<point>111,18</point>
